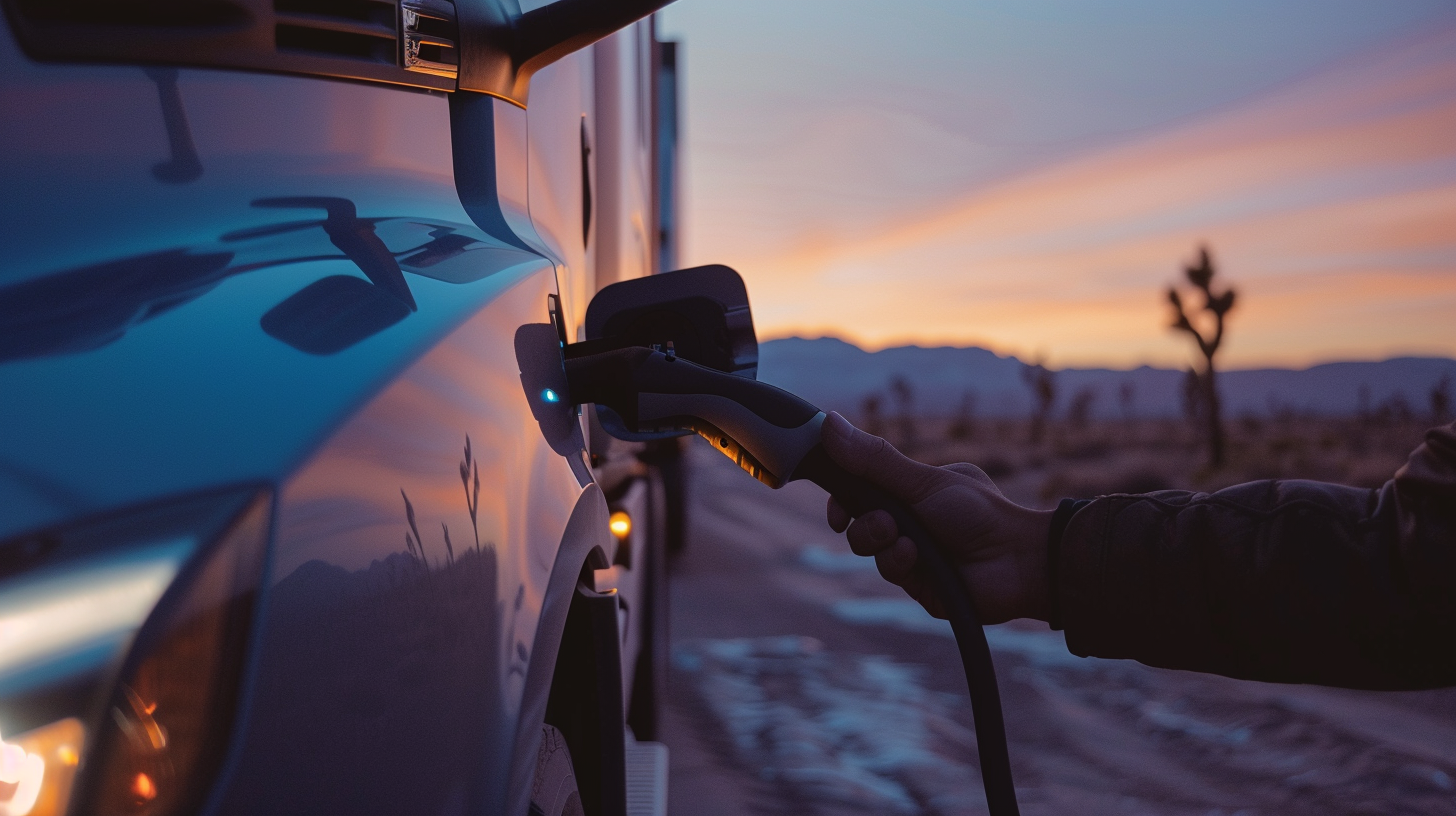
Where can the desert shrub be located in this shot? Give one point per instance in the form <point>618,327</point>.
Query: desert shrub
<point>1140,481</point>
<point>1062,483</point>
<point>997,467</point>
<point>1084,451</point>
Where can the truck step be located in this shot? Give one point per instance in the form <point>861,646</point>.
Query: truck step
<point>646,778</point>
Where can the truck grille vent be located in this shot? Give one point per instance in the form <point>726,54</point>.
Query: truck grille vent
<point>348,29</point>
<point>168,14</point>
<point>429,37</point>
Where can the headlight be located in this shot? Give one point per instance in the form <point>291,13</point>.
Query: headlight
<point>36,769</point>
<point>121,649</point>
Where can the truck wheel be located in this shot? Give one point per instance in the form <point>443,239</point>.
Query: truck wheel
<point>554,792</point>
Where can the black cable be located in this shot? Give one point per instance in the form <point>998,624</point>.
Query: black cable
<point>858,496</point>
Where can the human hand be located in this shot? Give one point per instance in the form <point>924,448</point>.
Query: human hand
<point>998,547</point>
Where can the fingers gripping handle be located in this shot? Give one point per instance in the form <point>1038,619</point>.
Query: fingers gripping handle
<point>858,496</point>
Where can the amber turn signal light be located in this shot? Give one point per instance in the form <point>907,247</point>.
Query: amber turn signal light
<point>620,524</point>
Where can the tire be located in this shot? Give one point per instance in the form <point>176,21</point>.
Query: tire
<point>554,791</point>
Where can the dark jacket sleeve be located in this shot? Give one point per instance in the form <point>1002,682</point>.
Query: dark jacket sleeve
<point>1286,581</point>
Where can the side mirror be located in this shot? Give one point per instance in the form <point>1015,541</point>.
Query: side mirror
<point>500,51</point>
<point>701,314</point>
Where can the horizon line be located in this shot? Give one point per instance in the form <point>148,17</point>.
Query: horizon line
<point>1272,366</point>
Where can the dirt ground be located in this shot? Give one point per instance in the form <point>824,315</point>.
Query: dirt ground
<point>803,684</point>
<point>1134,456</point>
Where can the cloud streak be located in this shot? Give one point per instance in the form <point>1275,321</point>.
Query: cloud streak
<point>1328,202</point>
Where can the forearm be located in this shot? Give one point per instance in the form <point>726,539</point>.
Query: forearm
<point>1282,581</point>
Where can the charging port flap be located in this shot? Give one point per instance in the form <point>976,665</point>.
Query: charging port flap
<point>701,313</point>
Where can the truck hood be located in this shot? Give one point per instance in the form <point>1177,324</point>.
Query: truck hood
<point>227,357</point>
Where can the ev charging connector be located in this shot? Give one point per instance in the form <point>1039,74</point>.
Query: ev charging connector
<point>675,353</point>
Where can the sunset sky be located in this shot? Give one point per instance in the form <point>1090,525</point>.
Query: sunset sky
<point>1029,176</point>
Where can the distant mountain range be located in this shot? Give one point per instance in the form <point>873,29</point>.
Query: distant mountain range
<point>838,375</point>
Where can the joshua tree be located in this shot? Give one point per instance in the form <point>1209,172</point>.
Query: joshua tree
<point>1395,409</point>
<point>870,415</point>
<point>1043,385</point>
<point>1217,304</point>
<point>1193,398</point>
<point>963,426</point>
<point>1079,411</point>
<point>1127,398</point>
<point>1441,400</point>
<point>905,404</point>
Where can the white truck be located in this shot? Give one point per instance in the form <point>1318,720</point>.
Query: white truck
<point>280,527</point>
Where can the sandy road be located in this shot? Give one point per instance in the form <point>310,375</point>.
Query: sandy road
<point>803,684</point>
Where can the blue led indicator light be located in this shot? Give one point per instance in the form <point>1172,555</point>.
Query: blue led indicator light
<point>550,396</point>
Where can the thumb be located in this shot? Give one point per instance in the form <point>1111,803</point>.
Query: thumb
<point>872,458</point>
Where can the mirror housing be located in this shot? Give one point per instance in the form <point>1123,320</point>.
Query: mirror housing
<point>500,50</point>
